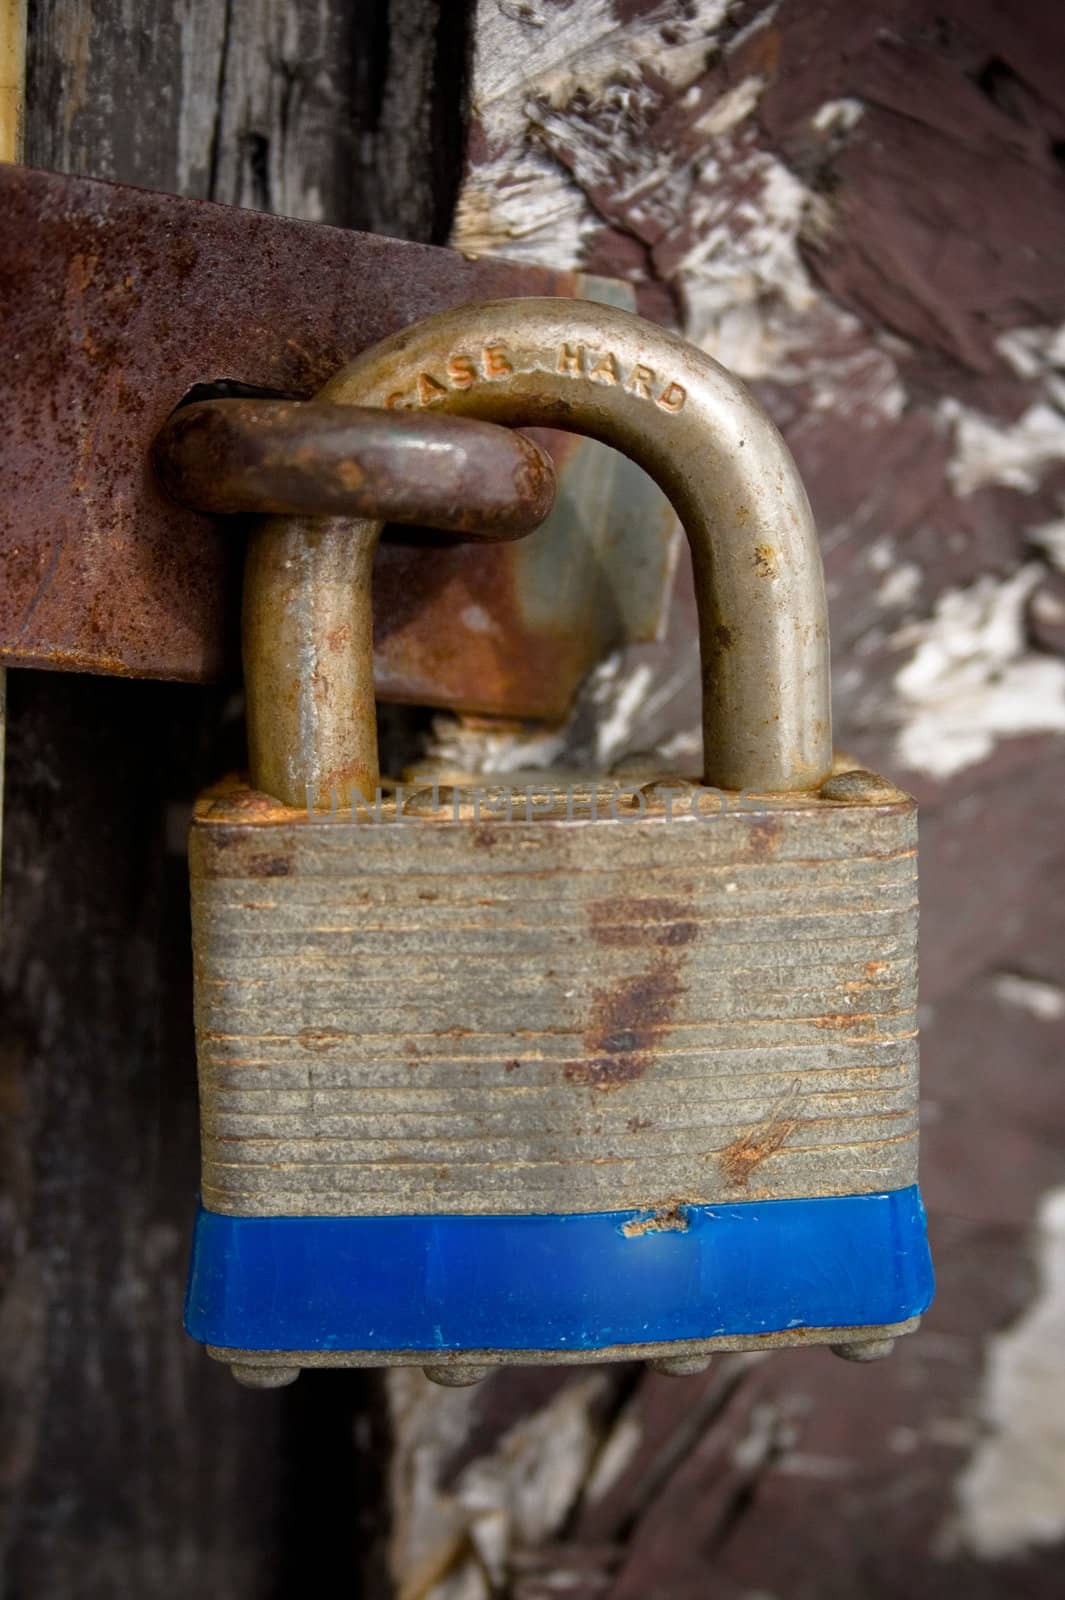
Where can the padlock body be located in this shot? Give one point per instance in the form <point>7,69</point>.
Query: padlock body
<point>561,1086</point>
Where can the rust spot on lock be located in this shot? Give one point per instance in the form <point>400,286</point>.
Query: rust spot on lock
<point>267,866</point>
<point>627,1023</point>
<point>320,1039</point>
<point>745,1155</point>
<point>664,1219</point>
<point>629,1018</point>
<point>339,638</point>
<point>633,923</point>
<point>765,836</point>
<point>860,1023</point>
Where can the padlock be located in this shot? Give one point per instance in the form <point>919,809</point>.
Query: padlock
<point>579,1073</point>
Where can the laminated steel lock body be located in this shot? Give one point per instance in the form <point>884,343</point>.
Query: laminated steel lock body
<point>564,1082</point>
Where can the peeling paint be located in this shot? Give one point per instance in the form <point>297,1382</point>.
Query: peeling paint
<point>530,61</point>
<point>838,116</point>
<point>1049,537</point>
<point>526,208</point>
<point>1033,352</point>
<point>1043,1000</point>
<point>1011,1496</point>
<point>760,21</point>
<point>467,745</point>
<point>1015,455</point>
<point>733,107</point>
<point>533,1478</point>
<point>617,1452</point>
<point>620,697</point>
<point>562,51</point>
<point>900,586</point>
<point>457,1540</point>
<point>972,680</point>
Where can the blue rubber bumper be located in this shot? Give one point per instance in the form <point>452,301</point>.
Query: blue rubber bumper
<point>580,1282</point>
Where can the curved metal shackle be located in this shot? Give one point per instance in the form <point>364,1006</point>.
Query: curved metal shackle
<point>590,369</point>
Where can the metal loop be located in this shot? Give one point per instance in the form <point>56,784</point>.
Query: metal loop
<point>311,458</point>
<point>308,629</point>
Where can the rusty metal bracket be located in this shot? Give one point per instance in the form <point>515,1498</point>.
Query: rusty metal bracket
<point>309,458</point>
<point>119,302</point>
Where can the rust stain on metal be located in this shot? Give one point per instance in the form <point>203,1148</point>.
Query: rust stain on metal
<point>260,866</point>
<point>118,302</point>
<point>665,1219</point>
<point>312,458</point>
<point>854,1022</point>
<point>319,1039</point>
<point>765,837</point>
<point>627,1022</point>
<point>628,1019</point>
<point>745,1155</point>
<point>631,923</point>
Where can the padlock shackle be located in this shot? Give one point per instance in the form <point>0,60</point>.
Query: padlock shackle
<point>594,370</point>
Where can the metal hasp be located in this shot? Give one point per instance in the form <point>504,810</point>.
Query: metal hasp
<point>258,456</point>
<point>593,370</point>
<point>493,1076</point>
<point>120,303</point>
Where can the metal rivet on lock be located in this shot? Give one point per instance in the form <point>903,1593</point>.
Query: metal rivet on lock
<point>505,1082</point>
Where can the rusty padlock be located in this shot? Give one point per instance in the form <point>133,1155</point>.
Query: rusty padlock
<point>489,1078</point>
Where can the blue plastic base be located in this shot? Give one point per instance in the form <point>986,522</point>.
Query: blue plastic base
<point>580,1282</point>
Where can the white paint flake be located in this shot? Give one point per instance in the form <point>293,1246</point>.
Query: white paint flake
<point>1011,1496</point>
<point>743,252</point>
<point>748,298</point>
<point>477,620</point>
<point>1014,455</point>
<point>520,1494</point>
<point>563,51</point>
<point>620,698</point>
<point>1049,537</point>
<point>1046,1001</point>
<point>900,586</point>
<point>838,116</point>
<point>525,207</point>
<point>732,108</point>
<point>460,746</point>
<point>615,1454</point>
<point>455,1540</point>
<point>1033,352</point>
<point>880,555</point>
<point>762,19</point>
<point>971,680</point>
<point>532,61</point>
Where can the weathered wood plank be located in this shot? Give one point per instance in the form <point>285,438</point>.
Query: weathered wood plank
<point>129,1463</point>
